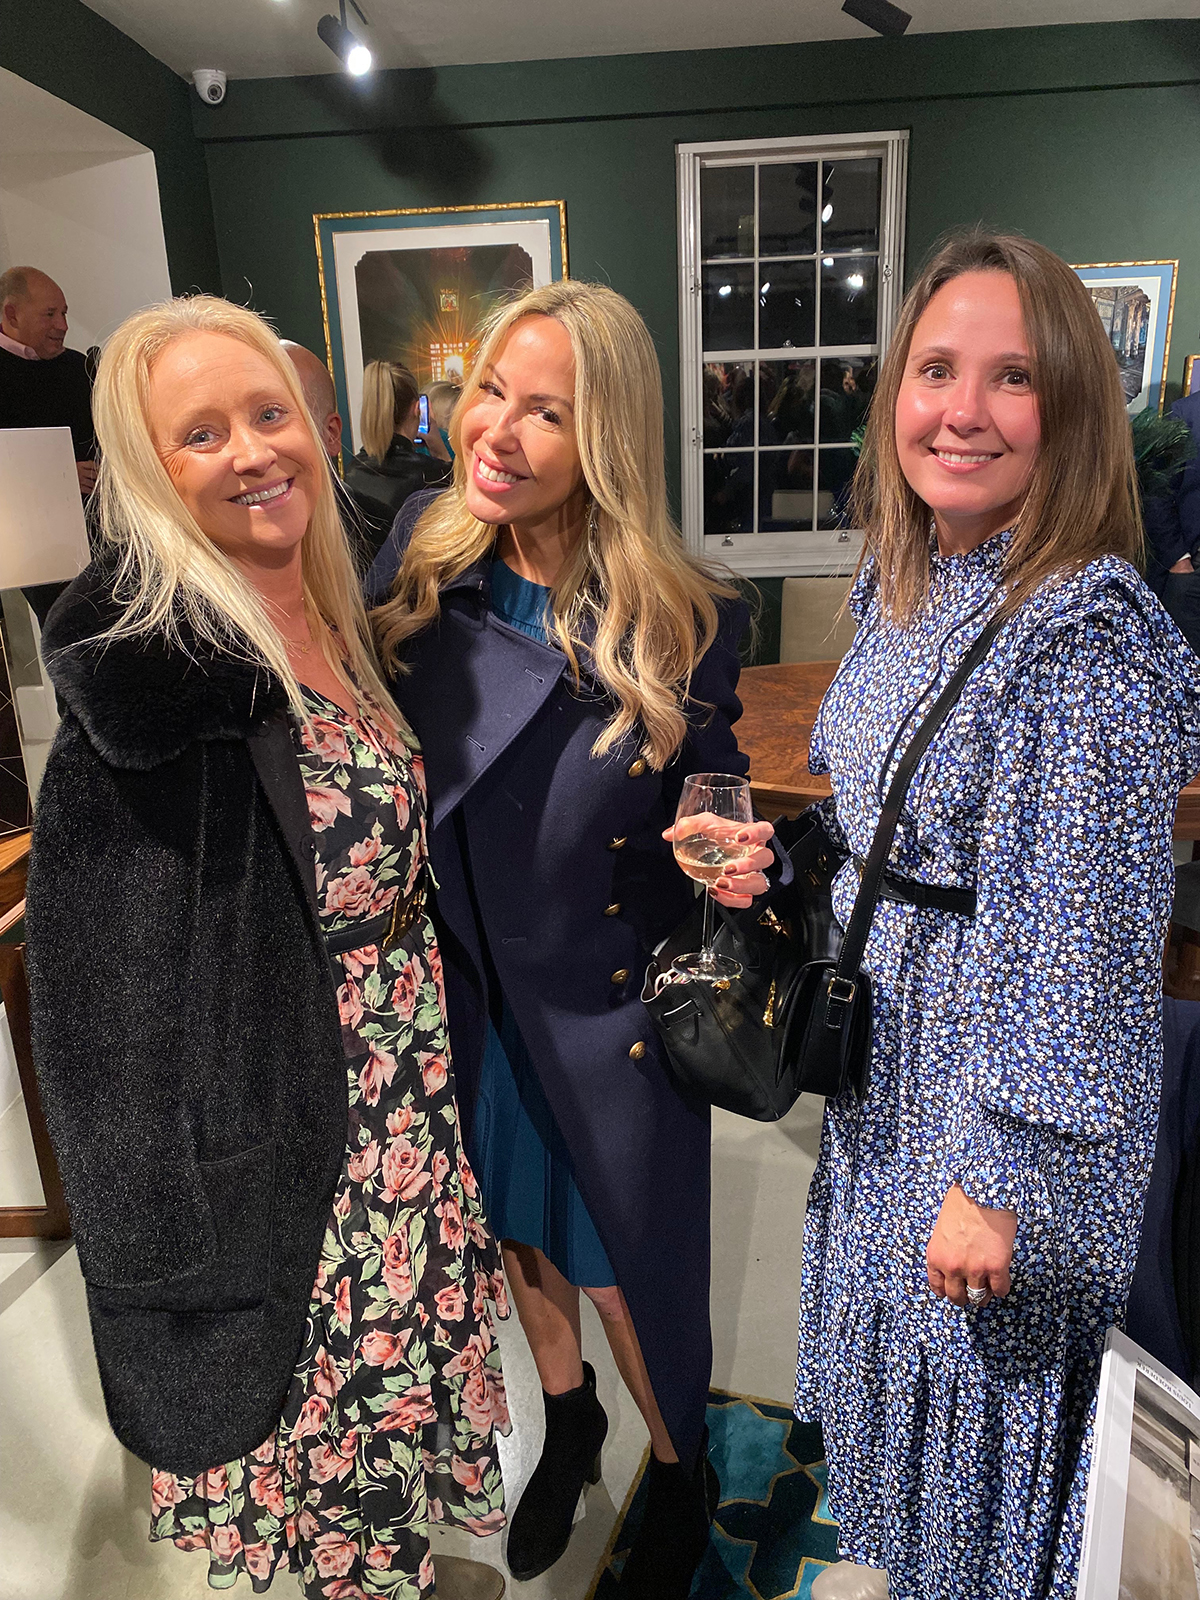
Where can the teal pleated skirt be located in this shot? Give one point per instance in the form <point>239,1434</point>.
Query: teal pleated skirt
<point>524,1168</point>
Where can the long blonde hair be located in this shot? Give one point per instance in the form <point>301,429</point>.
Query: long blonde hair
<point>389,393</point>
<point>1082,500</point>
<point>627,596</point>
<point>170,575</point>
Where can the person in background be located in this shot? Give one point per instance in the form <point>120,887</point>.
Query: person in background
<point>566,665</point>
<point>1173,536</point>
<point>42,383</point>
<point>389,466</point>
<point>365,519</point>
<point>442,398</point>
<point>973,1223</point>
<point>238,1018</point>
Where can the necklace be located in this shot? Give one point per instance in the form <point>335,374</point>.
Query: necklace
<point>301,647</point>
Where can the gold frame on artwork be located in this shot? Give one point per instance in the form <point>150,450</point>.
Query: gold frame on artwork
<point>455,215</point>
<point>1189,370</point>
<point>1098,266</point>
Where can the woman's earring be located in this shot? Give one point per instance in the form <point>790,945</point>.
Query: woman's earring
<point>593,520</point>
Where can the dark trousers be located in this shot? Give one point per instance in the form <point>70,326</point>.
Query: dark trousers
<point>1181,597</point>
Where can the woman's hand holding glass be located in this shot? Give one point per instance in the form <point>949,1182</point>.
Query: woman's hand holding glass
<point>741,880</point>
<point>718,844</point>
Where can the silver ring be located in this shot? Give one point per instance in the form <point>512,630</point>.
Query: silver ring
<point>976,1297</point>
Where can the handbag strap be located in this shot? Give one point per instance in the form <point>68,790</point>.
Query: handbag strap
<point>858,929</point>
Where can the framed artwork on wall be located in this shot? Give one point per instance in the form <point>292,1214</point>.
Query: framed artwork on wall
<point>1191,375</point>
<point>416,286</point>
<point>1136,301</point>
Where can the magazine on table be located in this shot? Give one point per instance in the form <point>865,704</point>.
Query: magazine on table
<point>1141,1537</point>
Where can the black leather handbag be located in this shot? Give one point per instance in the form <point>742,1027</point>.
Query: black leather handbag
<point>799,1019</point>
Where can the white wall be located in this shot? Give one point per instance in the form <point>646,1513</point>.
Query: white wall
<point>80,201</point>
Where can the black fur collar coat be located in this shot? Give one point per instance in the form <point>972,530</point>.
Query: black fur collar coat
<point>185,1028</point>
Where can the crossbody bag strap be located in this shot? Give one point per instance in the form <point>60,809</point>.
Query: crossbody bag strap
<point>858,929</point>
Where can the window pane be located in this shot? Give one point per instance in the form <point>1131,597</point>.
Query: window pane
<point>847,383</point>
<point>787,304</point>
<point>785,490</point>
<point>834,473</point>
<point>728,491</point>
<point>727,308</point>
<point>850,205</point>
<point>721,379</point>
<point>848,300</point>
<point>726,211</point>
<point>787,209</point>
<point>790,402</point>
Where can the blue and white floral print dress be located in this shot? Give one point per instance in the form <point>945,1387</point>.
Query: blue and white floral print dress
<point>1018,1054</point>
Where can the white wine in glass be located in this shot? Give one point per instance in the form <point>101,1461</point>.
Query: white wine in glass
<point>713,809</point>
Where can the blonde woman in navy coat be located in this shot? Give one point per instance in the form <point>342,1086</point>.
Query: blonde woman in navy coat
<point>566,666</point>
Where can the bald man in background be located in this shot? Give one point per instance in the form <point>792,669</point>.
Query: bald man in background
<point>42,383</point>
<point>367,521</point>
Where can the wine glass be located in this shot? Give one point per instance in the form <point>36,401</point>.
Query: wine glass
<point>713,809</point>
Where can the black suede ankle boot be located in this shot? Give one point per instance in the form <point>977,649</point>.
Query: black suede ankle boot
<point>540,1528</point>
<point>673,1537</point>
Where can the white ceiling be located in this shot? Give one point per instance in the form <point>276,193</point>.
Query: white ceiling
<point>277,38</point>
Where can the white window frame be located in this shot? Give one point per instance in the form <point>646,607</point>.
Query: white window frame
<point>804,552</point>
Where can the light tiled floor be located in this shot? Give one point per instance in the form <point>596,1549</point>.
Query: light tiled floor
<point>73,1503</point>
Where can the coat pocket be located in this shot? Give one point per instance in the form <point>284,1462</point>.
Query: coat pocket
<point>240,1193</point>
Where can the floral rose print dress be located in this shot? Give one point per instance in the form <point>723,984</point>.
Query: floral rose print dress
<point>389,1423</point>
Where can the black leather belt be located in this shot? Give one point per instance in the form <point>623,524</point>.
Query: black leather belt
<point>358,935</point>
<point>926,896</point>
<point>389,925</point>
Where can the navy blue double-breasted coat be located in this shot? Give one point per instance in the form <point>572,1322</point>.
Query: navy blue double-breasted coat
<point>551,867</point>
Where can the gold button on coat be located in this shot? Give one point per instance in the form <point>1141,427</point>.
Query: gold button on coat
<point>612,910</point>
<point>637,1051</point>
<point>638,767</point>
<point>621,975</point>
<point>616,844</point>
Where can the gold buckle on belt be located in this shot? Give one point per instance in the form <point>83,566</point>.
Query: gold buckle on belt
<point>841,990</point>
<point>405,911</point>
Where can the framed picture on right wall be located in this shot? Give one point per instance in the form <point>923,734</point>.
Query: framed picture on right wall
<point>1136,301</point>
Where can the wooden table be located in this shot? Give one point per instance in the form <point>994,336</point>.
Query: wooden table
<point>779,707</point>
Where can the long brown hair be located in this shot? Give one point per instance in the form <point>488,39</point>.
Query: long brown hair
<point>1082,501</point>
<point>628,595</point>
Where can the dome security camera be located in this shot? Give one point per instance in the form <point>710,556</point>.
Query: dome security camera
<point>210,85</point>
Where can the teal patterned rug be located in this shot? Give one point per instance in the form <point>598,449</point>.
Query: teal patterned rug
<point>773,1532</point>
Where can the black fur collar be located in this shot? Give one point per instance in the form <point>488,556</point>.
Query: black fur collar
<point>142,702</point>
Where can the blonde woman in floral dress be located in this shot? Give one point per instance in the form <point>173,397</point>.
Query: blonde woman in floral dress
<point>239,1015</point>
<point>387,1426</point>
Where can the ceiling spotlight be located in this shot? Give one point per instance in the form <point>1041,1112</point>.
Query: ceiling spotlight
<point>878,14</point>
<point>351,51</point>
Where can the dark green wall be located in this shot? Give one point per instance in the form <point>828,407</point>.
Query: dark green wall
<point>1084,137</point>
<point>68,50</point>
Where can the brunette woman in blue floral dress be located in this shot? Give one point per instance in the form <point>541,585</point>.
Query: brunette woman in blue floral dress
<point>389,1423</point>
<point>972,1226</point>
